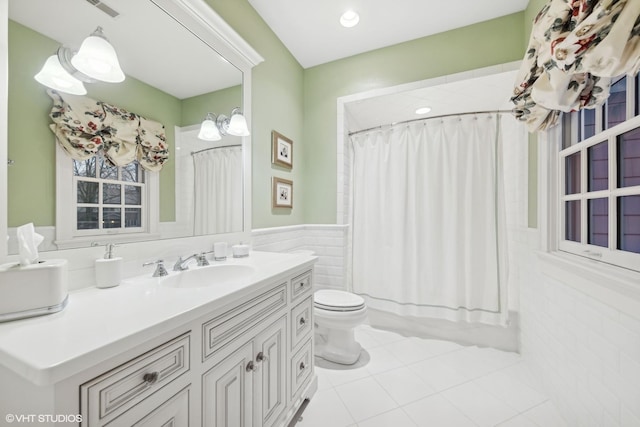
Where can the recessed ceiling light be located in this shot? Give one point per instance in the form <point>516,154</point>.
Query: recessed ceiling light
<point>349,19</point>
<point>423,110</point>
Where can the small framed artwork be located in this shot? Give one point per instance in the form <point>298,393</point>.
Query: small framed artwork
<point>281,150</point>
<point>282,193</point>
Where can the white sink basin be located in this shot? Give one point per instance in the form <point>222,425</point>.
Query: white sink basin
<point>208,276</point>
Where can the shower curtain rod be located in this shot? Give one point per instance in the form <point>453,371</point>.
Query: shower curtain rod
<point>427,118</point>
<point>215,148</point>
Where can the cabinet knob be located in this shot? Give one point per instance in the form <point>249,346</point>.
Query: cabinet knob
<point>261,357</point>
<point>151,378</point>
<point>303,366</point>
<point>302,321</point>
<point>251,366</point>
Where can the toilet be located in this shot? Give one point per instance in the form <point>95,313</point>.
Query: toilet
<point>337,313</point>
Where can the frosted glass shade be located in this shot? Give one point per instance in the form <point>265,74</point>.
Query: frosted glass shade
<point>98,60</point>
<point>208,130</point>
<point>238,125</point>
<point>55,77</point>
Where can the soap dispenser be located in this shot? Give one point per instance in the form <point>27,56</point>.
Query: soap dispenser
<point>108,269</point>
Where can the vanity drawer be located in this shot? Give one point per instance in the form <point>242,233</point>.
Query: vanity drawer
<point>118,390</point>
<point>301,321</point>
<point>300,285</point>
<point>173,412</point>
<point>301,368</point>
<point>223,329</point>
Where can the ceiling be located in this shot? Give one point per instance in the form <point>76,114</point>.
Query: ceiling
<point>151,47</point>
<point>312,32</point>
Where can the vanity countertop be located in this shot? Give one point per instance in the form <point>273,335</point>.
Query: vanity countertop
<point>100,323</point>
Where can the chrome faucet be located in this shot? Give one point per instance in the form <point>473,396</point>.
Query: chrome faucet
<point>181,264</point>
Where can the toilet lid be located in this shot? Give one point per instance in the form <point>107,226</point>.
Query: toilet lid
<point>334,300</point>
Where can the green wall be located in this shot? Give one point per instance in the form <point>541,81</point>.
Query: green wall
<point>31,179</point>
<point>194,109</point>
<point>277,104</point>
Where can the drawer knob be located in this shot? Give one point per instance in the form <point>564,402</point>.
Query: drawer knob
<point>302,321</point>
<point>303,366</point>
<point>251,366</point>
<point>151,378</point>
<point>302,284</point>
<point>261,357</point>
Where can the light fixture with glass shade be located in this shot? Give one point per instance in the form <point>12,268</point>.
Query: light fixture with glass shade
<point>214,127</point>
<point>95,61</point>
<point>53,75</point>
<point>209,129</point>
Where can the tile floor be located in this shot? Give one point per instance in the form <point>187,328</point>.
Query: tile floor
<point>403,381</point>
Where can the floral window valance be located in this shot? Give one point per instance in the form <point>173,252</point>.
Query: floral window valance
<point>85,127</point>
<point>575,50</point>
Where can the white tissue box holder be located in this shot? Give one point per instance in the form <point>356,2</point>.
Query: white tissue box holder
<point>32,290</point>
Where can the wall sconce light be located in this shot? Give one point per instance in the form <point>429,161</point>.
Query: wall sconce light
<point>214,127</point>
<point>95,61</point>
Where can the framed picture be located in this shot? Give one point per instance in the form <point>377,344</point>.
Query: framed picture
<point>281,150</point>
<point>282,193</point>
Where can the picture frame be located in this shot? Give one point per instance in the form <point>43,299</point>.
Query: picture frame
<point>281,150</point>
<point>282,193</point>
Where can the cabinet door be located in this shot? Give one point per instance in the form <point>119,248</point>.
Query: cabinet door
<point>270,384</point>
<point>227,391</point>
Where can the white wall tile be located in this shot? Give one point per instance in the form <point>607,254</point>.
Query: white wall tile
<point>327,241</point>
<point>585,352</point>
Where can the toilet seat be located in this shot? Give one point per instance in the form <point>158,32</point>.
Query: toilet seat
<point>338,301</point>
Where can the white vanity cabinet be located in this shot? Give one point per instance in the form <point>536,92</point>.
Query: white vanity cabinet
<point>244,359</point>
<point>254,378</point>
<point>247,388</point>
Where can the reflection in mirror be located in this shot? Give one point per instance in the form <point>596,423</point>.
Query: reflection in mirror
<point>172,77</point>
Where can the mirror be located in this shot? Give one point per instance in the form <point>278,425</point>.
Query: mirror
<point>173,76</point>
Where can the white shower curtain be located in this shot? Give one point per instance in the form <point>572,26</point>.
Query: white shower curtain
<point>428,234</point>
<point>218,190</point>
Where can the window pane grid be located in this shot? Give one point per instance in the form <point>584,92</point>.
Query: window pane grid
<point>108,197</point>
<point>600,178</point>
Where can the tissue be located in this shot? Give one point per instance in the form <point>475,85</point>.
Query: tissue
<point>28,241</point>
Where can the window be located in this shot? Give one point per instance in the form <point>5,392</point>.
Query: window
<point>600,179</point>
<point>99,202</point>
<point>108,198</point>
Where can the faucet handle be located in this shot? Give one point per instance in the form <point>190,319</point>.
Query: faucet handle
<point>202,259</point>
<point>160,270</point>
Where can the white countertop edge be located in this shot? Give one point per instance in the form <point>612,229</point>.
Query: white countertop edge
<point>21,360</point>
